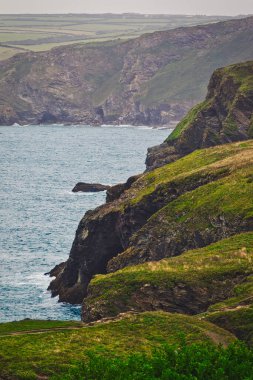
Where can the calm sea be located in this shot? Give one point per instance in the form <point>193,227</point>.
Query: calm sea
<point>38,212</point>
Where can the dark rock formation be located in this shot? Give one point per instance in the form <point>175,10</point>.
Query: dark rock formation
<point>89,187</point>
<point>140,81</point>
<point>114,192</point>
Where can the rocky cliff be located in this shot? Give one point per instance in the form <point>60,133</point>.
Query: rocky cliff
<point>153,79</point>
<point>177,238</point>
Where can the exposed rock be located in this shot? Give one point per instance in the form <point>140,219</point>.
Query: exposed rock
<point>89,187</point>
<point>114,192</point>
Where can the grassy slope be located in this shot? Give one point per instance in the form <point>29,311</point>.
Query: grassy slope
<point>209,212</point>
<point>200,161</point>
<point>208,268</point>
<point>223,197</point>
<point>27,355</point>
<point>187,79</point>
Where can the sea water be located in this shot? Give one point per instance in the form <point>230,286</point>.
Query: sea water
<point>38,212</point>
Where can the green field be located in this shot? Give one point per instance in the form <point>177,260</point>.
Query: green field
<point>43,32</point>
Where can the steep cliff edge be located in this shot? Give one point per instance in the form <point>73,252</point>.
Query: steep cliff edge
<point>157,218</point>
<point>179,206</point>
<point>225,116</point>
<point>153,79</point>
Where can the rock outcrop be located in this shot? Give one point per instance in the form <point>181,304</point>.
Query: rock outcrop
<point>89,187</point>
<point>154,79</point>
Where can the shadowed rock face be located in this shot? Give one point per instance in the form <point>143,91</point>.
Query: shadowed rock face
<point>141,221</point>
<point>154,79</point>
<point>225,116</point>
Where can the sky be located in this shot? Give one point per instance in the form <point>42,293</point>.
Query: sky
<point>207,7</point>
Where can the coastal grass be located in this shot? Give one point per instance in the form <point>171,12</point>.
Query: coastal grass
<point>209,212</point>
<point>210,268</point>
<point>28,356</point>
<point>211,160</point>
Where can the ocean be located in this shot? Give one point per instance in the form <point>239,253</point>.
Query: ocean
<point>38,212</point>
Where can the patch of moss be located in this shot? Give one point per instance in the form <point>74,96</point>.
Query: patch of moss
<point>215,205</point>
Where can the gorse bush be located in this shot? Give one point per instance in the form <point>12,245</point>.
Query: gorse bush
<point>187,362</point>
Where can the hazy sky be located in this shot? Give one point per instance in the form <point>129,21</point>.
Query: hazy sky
<point>209,7</point>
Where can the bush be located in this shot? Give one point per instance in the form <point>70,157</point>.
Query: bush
<point>187,362</point>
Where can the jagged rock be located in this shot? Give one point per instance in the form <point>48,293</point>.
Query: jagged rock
<point>89,187</point>
<point>114,192</point>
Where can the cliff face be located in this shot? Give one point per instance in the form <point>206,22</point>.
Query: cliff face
<point>153,79</point>
<point>225,116</point>
<point>157,217</point>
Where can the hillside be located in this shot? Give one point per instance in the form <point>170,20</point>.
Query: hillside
<point>153,79</point>
<point>164,269</point>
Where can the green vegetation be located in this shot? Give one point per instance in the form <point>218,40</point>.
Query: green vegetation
<point>238,319</point>
<point>43,32</point>
<point>210,268</point>
<point>228,197</point>
<point>194,362</point>
<point>200,162</point>
<point>188,78</point>
<point>35,325</point>
<point>28,355</point>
